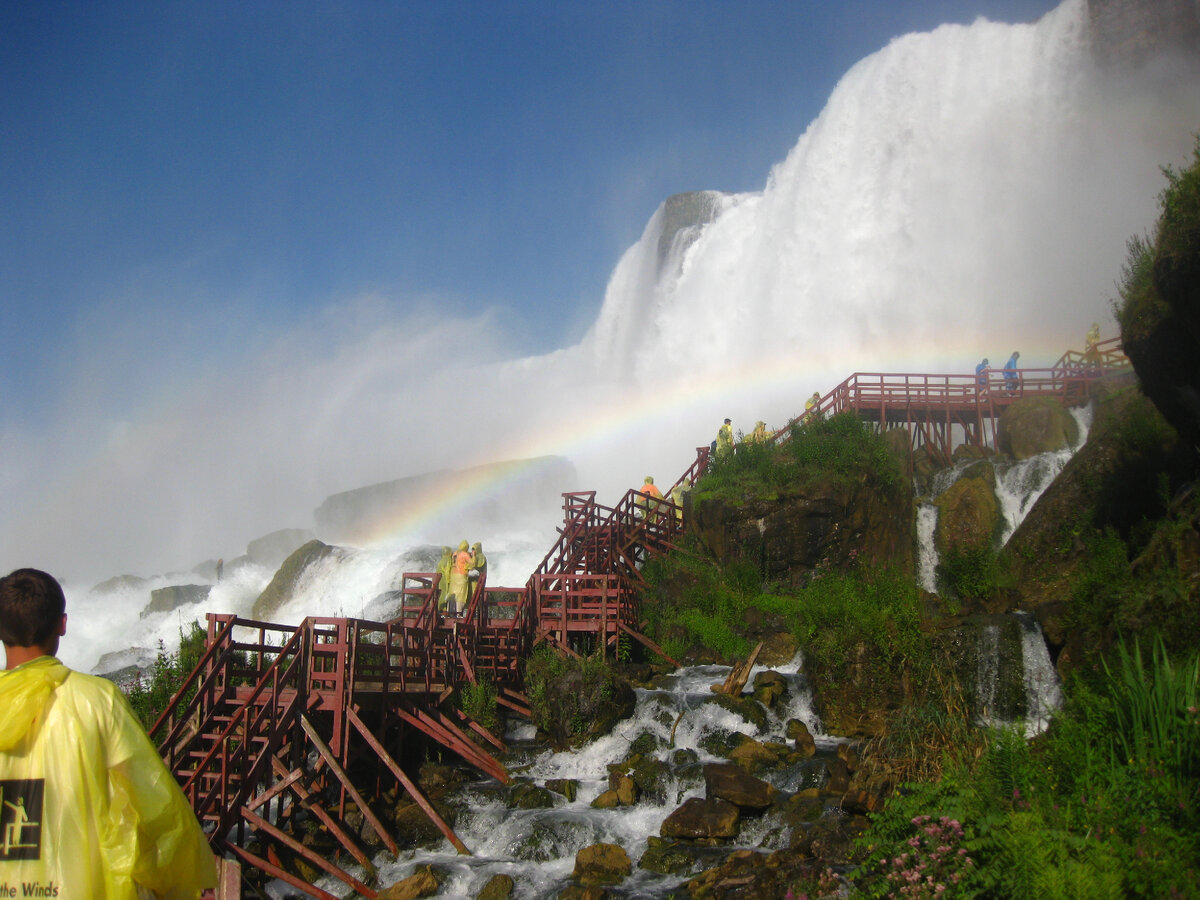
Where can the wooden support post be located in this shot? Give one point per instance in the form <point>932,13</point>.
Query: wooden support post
<point>283,875</point>
<point>327,820</point>
<point>295,846</point>
<point>404,780</point>
<point>340,773</point>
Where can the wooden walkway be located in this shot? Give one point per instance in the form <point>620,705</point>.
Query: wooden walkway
<point>942,412</point>
<point>286,731</point>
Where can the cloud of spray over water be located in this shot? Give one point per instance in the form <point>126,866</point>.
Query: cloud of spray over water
<point>964,193</point>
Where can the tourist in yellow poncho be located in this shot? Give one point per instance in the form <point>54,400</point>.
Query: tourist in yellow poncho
<point>460,585</point>
<point>725,440</point>
<point>87,808</point>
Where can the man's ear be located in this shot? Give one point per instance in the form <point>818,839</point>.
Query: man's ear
<point>62,625</point>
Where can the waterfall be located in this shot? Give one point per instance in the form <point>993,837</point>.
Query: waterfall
<point>987,674</point>
<point>1019,484</point>
<point>1043,694</point>
<point>927,555</point>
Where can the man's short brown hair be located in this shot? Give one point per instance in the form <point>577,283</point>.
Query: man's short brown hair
<point>31,607</point>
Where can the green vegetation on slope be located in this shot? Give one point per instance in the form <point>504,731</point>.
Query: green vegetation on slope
<point>150,695</point>
<point>838,449</point>
<point>1105,804</point>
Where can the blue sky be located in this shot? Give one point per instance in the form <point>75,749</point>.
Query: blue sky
<point>184,180</point>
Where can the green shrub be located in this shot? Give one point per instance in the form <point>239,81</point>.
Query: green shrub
<point>478,700</point>
<point>971,571</point>
<point>149,696</point>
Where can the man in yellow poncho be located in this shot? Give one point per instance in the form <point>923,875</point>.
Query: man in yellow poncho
<point>87,808</point>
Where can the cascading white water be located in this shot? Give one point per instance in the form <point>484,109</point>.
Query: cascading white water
<point>537,847</point>
<point>927,555</point>
<point>1019,484</point>
<point>1043,694</point>
<point>987,673</point>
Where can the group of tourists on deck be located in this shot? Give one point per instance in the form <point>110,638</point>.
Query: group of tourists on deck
<point>1011,378</point>
<point>458,573</point>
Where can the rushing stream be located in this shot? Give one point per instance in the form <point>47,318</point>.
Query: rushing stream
<point>673,722</point>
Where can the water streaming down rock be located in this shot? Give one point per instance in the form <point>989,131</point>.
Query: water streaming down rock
<point>1043,694</point>
<point>987,675</point>
<point>927,555</point>
<point>1020,484</point>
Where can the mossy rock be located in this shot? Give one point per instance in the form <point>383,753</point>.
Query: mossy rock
<point>1035,425</point>
<point>968,511</point>
<point>283,585</point>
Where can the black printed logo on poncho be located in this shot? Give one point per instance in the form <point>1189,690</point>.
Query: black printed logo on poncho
<point>21,819</point>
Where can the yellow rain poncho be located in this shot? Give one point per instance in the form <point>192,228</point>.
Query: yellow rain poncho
<point>87,807</point>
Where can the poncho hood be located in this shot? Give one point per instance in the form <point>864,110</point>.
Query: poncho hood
<point>24,692</point>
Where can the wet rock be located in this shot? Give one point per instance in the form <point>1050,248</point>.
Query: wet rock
<point>848,753</point>
<point>411,825</point>
<point>753,756</point>
<point>727,782</point>
<point>685,757</point>
<point>787,534</point>
<point>423,883</point>
<point>779,648</point>
<point>839,777</point>
<point>701,818</point>
<point>769,688</point>
<point>720,742</point>
<point>176,596</point>
<point>645,743</point>
<point>801,738</point>
<point>566,787</point>
<point>831,839</point>
<point>1034,425</point>
<point>742,876</point>
<point>670,857</point>
<point>435,779</point>
<point>530,796</point>
<point>651,775</point>
<point>498,887</point>
<point>119,584</point>
<point>579,892</point>
<point>609,799</point>
<point>624,787</point>
<point>575,704</point>
<point>602,864</point>
<point>270,550</point>
<point>748,708</point>
<point>867,795</point>
<point>968,511</point>
<point>802,808</point>
<point>284,584</point>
